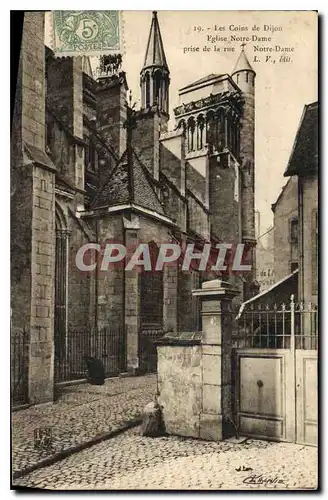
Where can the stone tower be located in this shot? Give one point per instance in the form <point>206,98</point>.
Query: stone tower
<point>244,76</point>
<point>154,113</point>
<point>155,74</point>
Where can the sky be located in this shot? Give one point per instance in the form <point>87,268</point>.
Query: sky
<point>281,90</point>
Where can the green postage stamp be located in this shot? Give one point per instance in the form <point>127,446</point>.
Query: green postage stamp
<point>86,32</point>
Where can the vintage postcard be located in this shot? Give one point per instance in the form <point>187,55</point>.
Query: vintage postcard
<point>164,251</point>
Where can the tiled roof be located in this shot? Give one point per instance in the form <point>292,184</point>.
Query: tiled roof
<point>202,80</point>
<point>121,189</point>
<point>304,156</point>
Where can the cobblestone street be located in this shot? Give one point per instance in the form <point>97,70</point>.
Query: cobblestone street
<point>130,461</point>
<point>81,413</point>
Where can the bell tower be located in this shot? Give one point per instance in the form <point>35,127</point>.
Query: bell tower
<point>244,76</point>
<point>155,74</point>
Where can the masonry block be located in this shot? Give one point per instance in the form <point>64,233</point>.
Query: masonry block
<point>210,427</point>
<point>211,399</point>
<point>211,369</point>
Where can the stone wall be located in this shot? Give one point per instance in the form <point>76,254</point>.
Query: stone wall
<point>224,200</point>
<point>81,306</point>
<point>180,388</point>
<point>33,213</point>
<point>198,218</point>
<point>145,139</point>
<point>111,112</point>
<point>174,204</point>
<point>110,286</point>
<point>188,307</point>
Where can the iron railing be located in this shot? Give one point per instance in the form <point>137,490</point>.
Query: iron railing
<point>19,351</point>
<point>107,344</point>
<point>284,326</point>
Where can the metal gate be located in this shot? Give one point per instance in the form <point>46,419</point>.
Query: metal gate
<point>19,366</point>
<point>275,360</point>
<point>107,344</point>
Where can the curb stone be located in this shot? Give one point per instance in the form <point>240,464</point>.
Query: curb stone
<point>75,449</point>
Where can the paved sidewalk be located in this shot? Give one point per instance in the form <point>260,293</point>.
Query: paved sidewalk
<point>80,414</point>
<point>132,462</point>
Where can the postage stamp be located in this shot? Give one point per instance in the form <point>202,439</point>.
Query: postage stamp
<point>86,32</point>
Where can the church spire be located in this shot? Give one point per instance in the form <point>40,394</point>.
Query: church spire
<point>155,55</point>
<point>155,81</point>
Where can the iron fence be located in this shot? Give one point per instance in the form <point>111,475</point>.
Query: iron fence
<point>284,326</point>
<point>107,344</point>
<point>19,359</point>
<point>148,349</point>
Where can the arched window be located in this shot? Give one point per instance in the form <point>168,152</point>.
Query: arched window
<point>229,129</point>
<point>247,76</point>
<point>200,132</point>
<point>209,128</point>
<point>147,80</point>
<point>182,125</point>
<point>191,134</point>
<point>157,87</point>
<point>221,138</point>
<point>237,139</point>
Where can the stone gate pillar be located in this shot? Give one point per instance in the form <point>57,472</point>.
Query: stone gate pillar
<point>216,297</point>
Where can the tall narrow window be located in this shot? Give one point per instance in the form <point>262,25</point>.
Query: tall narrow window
<point>209,128</point>
<point>221,125</point>
<point>216,131</point>
<point>157,87</point>
<point>147,90</point>
<point>200,132</point>
<point>294,230</point>
<point>191,134</point>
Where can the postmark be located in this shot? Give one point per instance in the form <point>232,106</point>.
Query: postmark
<point>86,32</point>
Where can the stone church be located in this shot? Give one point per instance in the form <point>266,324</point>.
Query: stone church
<point>86,168</point>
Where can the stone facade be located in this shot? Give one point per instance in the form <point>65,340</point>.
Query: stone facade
<point>84,171</point>
<point>285,212</point>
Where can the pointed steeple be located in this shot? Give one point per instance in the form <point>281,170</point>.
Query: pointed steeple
<point>155,80</point>
<point>155,55</point>
<point>242,63</point>
<point>243,73</point>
